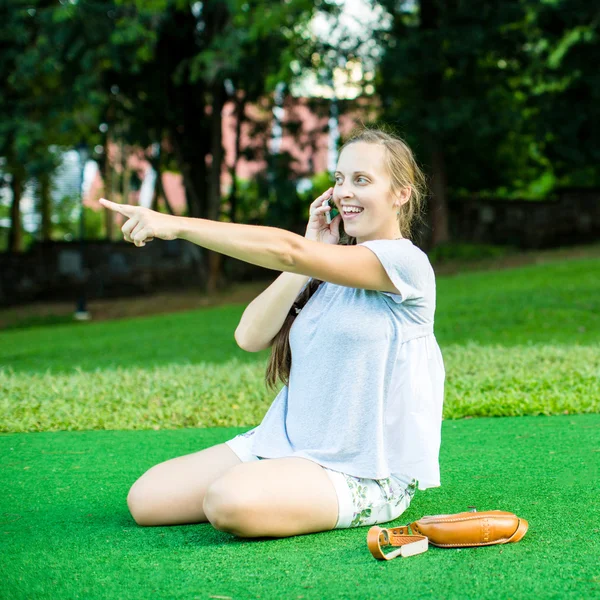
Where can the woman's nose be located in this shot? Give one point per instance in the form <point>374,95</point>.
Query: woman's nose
<point>344,191</point>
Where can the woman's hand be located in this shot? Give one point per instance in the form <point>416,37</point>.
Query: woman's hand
<point>144,224</point>
<point>318,229</point>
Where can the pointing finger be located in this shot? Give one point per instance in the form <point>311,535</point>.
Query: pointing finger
<point>124,209</point>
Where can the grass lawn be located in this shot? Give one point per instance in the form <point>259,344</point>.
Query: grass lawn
<point>520,344</point>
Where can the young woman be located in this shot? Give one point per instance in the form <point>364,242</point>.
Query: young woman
<point>356,429</point>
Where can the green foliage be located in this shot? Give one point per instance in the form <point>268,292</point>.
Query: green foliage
<point>490,94</point>
<point>280,188</point>
<point>279,203</point>
<point>65,224</point>
<point>564,78</point>
<point>467,252</point>
<point>319,183</point>
<point>251,206</point>
<point>95,227</point>
<point>66,220</point>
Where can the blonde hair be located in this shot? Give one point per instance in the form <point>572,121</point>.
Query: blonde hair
<point>404,171</point>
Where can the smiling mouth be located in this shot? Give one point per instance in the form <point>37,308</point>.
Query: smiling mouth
<point>352,214</point>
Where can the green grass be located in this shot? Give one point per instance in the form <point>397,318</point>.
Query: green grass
<point>66,532</point>
<point>516,343</point>
<point>520,341</point>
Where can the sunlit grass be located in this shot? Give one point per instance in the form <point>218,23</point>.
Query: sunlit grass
<point>522,341</point>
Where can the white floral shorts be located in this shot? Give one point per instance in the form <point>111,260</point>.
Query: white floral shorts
<point>361,501</point>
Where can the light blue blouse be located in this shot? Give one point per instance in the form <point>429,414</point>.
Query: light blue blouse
<point>366,385</point>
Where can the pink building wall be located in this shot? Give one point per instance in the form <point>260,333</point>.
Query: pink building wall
<point>299,146</point>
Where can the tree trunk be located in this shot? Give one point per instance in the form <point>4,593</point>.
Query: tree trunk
<point>192,194</point>
<point>195,135</point>
<point>108,188</point>
<point>125,183</point>
<point>15,234</point>
<point>432,92</point>
<point>45,207</point>
<point>215,259</point>
<point>155,194</point>
<point>240,106</point>
<point>439,201</point>
<point>159,190</point>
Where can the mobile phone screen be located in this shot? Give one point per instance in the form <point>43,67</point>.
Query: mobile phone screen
<point>333,213</point>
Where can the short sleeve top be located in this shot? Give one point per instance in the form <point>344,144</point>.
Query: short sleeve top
<point>366,384</point>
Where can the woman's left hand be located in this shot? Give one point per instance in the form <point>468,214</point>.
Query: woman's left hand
<point>144,224</point>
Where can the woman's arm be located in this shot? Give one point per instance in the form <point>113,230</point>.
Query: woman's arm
<point>268,247</point>
<point>255,244</point>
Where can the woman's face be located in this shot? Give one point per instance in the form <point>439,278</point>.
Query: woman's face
<point>361,180</point>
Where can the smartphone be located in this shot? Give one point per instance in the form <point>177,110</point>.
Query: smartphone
<point>333,213</point>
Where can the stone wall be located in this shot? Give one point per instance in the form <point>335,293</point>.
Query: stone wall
<point>54,270</point>
<point>572,218</point>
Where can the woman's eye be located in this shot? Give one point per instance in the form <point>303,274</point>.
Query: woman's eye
<point>360,177</point>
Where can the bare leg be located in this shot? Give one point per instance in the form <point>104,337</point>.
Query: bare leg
<point>172,492</point>
<point>277,497</point>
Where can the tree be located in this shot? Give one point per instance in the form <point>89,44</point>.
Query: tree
<point>171,87</point>
<point>452,76</point>
<point>47,102</point>
<point>564,94</point>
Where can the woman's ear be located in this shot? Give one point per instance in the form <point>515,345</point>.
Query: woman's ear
<point>405,194</point>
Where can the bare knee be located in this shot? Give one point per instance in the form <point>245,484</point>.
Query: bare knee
<point>172,492</point>
<point>138,502</point>
<point>222,509</point>
<point>144,500</point>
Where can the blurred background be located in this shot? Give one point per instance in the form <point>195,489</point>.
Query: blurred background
<point>235,110</point>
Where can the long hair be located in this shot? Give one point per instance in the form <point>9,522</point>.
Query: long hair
<point>403,170</point>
